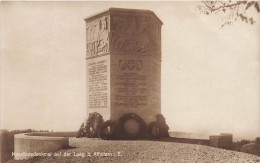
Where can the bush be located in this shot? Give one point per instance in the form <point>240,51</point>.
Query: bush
<point>82,131</point>
<point>257,140</point>
<point>93,124</point>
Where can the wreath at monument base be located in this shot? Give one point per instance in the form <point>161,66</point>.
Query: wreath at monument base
<point>160,120</point>
<point>96,127</point>
<point>107,130</point>
<point>81,131</point>
<point>93,124</point>
<point>121,133</point>
<point>154,130</point>
<point>164,130</point>
<point>159,128</point>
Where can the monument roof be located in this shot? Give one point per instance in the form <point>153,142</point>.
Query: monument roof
<point>114,10</point>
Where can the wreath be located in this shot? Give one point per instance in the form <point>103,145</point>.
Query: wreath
<point>160,120</point>
<point>107,130</point>
<point>154,130</point>
<point>121,133</point>
<point>93,124</point>
<point>81,131</point>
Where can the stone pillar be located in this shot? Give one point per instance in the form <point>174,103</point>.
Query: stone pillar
<point>124,64</point>
<point>224,140</point>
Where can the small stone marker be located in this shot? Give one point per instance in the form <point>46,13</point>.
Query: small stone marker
<point>224,140</point>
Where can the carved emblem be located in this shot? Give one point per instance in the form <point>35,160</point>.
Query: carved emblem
<point>122,64</point>
<point>139,65</point>
<point>130,65</point>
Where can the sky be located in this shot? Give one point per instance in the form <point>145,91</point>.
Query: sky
<point>210,75</point>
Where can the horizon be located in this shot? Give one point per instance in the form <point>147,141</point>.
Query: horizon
<point>181,134</point>
<point>209,82</point>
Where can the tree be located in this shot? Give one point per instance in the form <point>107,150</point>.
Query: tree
<point>257,140</point>
<point>232,11</point>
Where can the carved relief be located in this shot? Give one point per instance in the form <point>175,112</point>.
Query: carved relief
<point>97,36</point>
<point>156,35</point>
<point>130,34</point>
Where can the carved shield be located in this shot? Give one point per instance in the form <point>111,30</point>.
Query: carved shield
<point>130,65</point>
<point>139,65</point>
<point>122,64</point>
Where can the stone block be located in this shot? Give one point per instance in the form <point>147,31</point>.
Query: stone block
<point>223,140</point>
<point>26,146</point>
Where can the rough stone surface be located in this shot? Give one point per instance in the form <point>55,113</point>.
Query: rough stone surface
<point>146,151</point>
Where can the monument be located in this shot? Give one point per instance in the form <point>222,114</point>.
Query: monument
<point>123,55</point>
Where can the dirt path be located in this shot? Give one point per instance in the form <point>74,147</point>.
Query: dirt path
<point>97,150</point>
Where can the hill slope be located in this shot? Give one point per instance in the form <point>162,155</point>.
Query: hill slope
<point>143,151</point>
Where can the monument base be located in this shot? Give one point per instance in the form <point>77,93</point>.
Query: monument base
<point>129,126</point>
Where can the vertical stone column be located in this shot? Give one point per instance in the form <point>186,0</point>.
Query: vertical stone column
<point>124,64</point>
<point>98,65</point>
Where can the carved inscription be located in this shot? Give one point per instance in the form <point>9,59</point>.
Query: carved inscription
<point>97,36</point>
<point>131,86</point>
<point>131,34</point>
<point>98,84</point>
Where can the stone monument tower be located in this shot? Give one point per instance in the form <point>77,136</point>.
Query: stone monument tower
<point>124,64</point>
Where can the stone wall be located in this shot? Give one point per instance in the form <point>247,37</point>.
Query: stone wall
<point>25,144</point>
